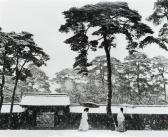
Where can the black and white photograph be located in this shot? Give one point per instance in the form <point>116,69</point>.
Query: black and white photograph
<point>83,68</point>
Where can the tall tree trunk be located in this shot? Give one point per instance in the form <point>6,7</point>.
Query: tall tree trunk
<point>164,86</point>
<point>109,74</point>
<point>12,103</point>
<point>13,95</point>
<point>109,82</point>
<point>165,92</point>
<point>3,81</point>
<point>1,91</point>
<point>102,74</point>
<point>138,87</point>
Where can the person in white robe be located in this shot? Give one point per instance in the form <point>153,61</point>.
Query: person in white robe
<point>121,121</point>
<point>84,126</point>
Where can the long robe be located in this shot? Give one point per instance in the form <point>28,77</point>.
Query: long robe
<point>84,126</point>
<point>121,122</point>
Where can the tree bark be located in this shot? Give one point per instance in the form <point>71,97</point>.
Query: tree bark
<point>138,87</point>
<point>3,81</point>
<point>13,95</point>
<point>165,92</point>
<point>1,91</point>
<point>102,74</point>
<point>164,86</point>
<point>109,82</point>
<point>12,103</point>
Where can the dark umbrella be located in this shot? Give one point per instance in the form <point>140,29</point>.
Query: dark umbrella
<point>89,104</point>
<point>127,105</point>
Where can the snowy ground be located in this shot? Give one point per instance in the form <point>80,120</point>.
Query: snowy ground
<point>75,133</point>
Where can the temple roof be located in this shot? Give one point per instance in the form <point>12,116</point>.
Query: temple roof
<point>45,100</point>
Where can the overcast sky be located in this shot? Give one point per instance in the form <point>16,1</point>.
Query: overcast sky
<point>43,19</point>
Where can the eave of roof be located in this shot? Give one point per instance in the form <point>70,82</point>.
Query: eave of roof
<point>45,100</point>
<point>16,108</point>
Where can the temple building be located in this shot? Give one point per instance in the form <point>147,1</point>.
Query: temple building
<point>46,110</point>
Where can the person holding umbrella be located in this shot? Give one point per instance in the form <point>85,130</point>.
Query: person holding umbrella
<point>84,126</point>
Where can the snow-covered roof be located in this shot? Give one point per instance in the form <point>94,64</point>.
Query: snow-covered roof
<point>144,109</point>
<point>45,100</point>
<point>16,108</point>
